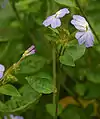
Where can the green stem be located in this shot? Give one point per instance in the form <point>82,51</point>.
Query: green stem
<point>54,82</point>
<point>24,27</point>
<point>9,71</point>
<point>81,10</point>
<point>15,10</point>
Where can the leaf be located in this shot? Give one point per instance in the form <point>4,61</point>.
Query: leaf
<point>67,101</point>
<point>28,98</point>
<point>69,3</point>
<point>89,90</point>
<point>76,51</point>
<point>93,76</point>
<point>89,105</point>
<point>89,109</point>
<point>92,90</point>
<point>71,54</point>
<point>31,64</point>
<point>75,111</point>
<point>67,59</point>
<point>51,109</point>
<point>80,89</point>
<point>9,89</point>
<point>42,83</point>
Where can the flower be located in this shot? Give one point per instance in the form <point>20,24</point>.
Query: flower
<point>4,3</point>
<point>31,50</point>
<point>54,20</point>
<point>13,117</point>
<point>84,34</point>
<point>2,69</point>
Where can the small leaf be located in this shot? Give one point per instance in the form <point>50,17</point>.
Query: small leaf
<point>9,90</point>
<point>93,77</point>
<point>66,59</point>
<point>51,109</point>
<point>42,83</point>
<point>76,51</point>
<point>80,89</point>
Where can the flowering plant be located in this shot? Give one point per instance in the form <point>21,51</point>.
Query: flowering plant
<point>49,59</point>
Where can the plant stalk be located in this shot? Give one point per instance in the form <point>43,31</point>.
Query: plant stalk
<point>54,82</point>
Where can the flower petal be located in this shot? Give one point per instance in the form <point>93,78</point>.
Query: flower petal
<point>55,23</point>
<point>31,52</point>
<point>80,36</point>
<point>79,22</point>
<point>79,18</point>
<point>48,21</point>
<point>78,25</point>
<point>5,117</point>
<point>18,117</point>
<point>14,117</point>
<point>89,39</point>
<point>1,75</point>
<point>85,37</point>
<point>11,116</point>
<point>62,13</point>
<point>30,48</point>
<point>2,68</point>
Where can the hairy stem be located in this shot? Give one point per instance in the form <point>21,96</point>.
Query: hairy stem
<point>54,82</point>
<point>83,13</point>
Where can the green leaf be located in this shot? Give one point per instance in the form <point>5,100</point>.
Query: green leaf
<point>69,3</point>
<point>89,109</point>
<point>31,64</point>
<point>92,90</point>
<point>71,54</point>
<point>9,89</point>
<point>28,98</point>
<point>51,109</point>
<point>67,59</point>
<point>80,89</point>
<point>76,51</point>
<point>73,111</point>
<point>93,77</point>
<point>42,82</point>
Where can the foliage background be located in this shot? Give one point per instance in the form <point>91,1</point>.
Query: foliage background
<point>20,27</point>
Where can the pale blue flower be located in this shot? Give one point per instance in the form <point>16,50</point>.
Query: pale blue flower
<point>84,34</point>
<point>2,69</point>
<point>4,3</point>
<point>54,20</point>
<point>13,117</point>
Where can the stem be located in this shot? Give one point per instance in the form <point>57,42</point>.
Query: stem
<point>15,10</point>
<point>24,27</point>
<point>9,71</point>
<point>54,82</point>
<point>81,10</point>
